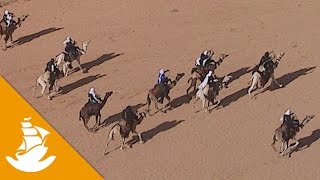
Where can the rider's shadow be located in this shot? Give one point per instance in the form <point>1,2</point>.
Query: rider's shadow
<point>306,142</point>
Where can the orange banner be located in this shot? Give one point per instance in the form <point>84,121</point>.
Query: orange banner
<point>30,148</point>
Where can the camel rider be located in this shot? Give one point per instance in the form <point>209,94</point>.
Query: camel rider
<point>208,79</point>
<point>264,59</point>
<point>51,68</point>
<point>70,48</point>
<point>93,97</point>
<point>128,115</point>
<point>289,119</point>
<point>204,58</point>
<point>7,17</point>
<point>162,77</point>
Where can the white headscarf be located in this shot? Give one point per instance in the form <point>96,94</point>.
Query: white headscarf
<point>288,112</point>
<point>161,71</point>
<point>6,12</point>
<point>68,39</point>
<point>92,91</point>
<point>205,81</point>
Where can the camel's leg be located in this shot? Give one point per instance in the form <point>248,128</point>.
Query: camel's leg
<point>43,86</point>
<point>111,134</point>
<point>274,80</point>
<point>122,143</point>
<point>169,101</point>
<point>78,61</point>
<point>252,87</point>
<point>217,100</point>
<point>285,147</point>
<point>85,121</point>
<point>10,36</point>
<point>189,88</point>
<point>97,123</point>
<point>140,138</point>
<point>149,103</point>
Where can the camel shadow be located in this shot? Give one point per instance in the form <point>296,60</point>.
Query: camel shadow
<point>70,87</point>
<point>177,102</point>
<point>288,78</point>
<point>238,73</point>
<point>232,98</point>
<point>117,117</point>
<point>97,62</point>
<point>306,142</point>
<point>31,37</point>
<point>147,135</point>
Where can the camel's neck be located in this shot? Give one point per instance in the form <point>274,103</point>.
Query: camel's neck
<point>84,48</point>
<point>104,101</point>
<point>173,84</point>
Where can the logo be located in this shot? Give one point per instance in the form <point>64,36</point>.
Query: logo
<point>32,149</point>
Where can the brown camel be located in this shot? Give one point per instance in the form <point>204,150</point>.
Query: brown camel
<point>90,109</point>
<point>210,67</point>
<point>8,31</point>
<point>123,128</point>
<point>162,91</point>
<point>285,132</point>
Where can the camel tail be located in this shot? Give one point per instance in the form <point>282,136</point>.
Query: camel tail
<point>274,141</point>
<point>148,99</point>
<point>80,116</point>
<point>35,87</point>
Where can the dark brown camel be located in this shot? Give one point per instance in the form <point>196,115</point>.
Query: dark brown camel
<point>285,132</point>
<point>123,128</point>
<point>90,109</point>
<point>162,91</point>
<point>8,31</point>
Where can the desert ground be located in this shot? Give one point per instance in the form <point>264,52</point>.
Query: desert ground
<point>132,40</point>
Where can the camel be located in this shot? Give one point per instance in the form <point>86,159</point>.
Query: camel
<point>162,91</point>
<point>196,78</point>
<point>210,67</point>
<point>259,79</point>
<point>8,31</point>
<point>44,81</point>
<point>90,109</point>
<point>123,128</point>
<point>210,92</point>
<point>285,132</point>
<point>62,58</point>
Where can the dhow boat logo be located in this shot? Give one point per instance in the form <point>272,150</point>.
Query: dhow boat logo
<point>32,149</point>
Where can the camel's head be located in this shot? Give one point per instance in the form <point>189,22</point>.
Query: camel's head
<point>108,94</point>
<point>222,56</point>
<point>86,43</point>
<point>179,76</point>
<point>280,56</point>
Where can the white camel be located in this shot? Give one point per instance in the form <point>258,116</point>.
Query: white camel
<point>43,81</point>
<point>61,59</point>
<point>255,80</point>
<point>204,96</point>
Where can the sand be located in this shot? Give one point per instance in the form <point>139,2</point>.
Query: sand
<point>132,40</point>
